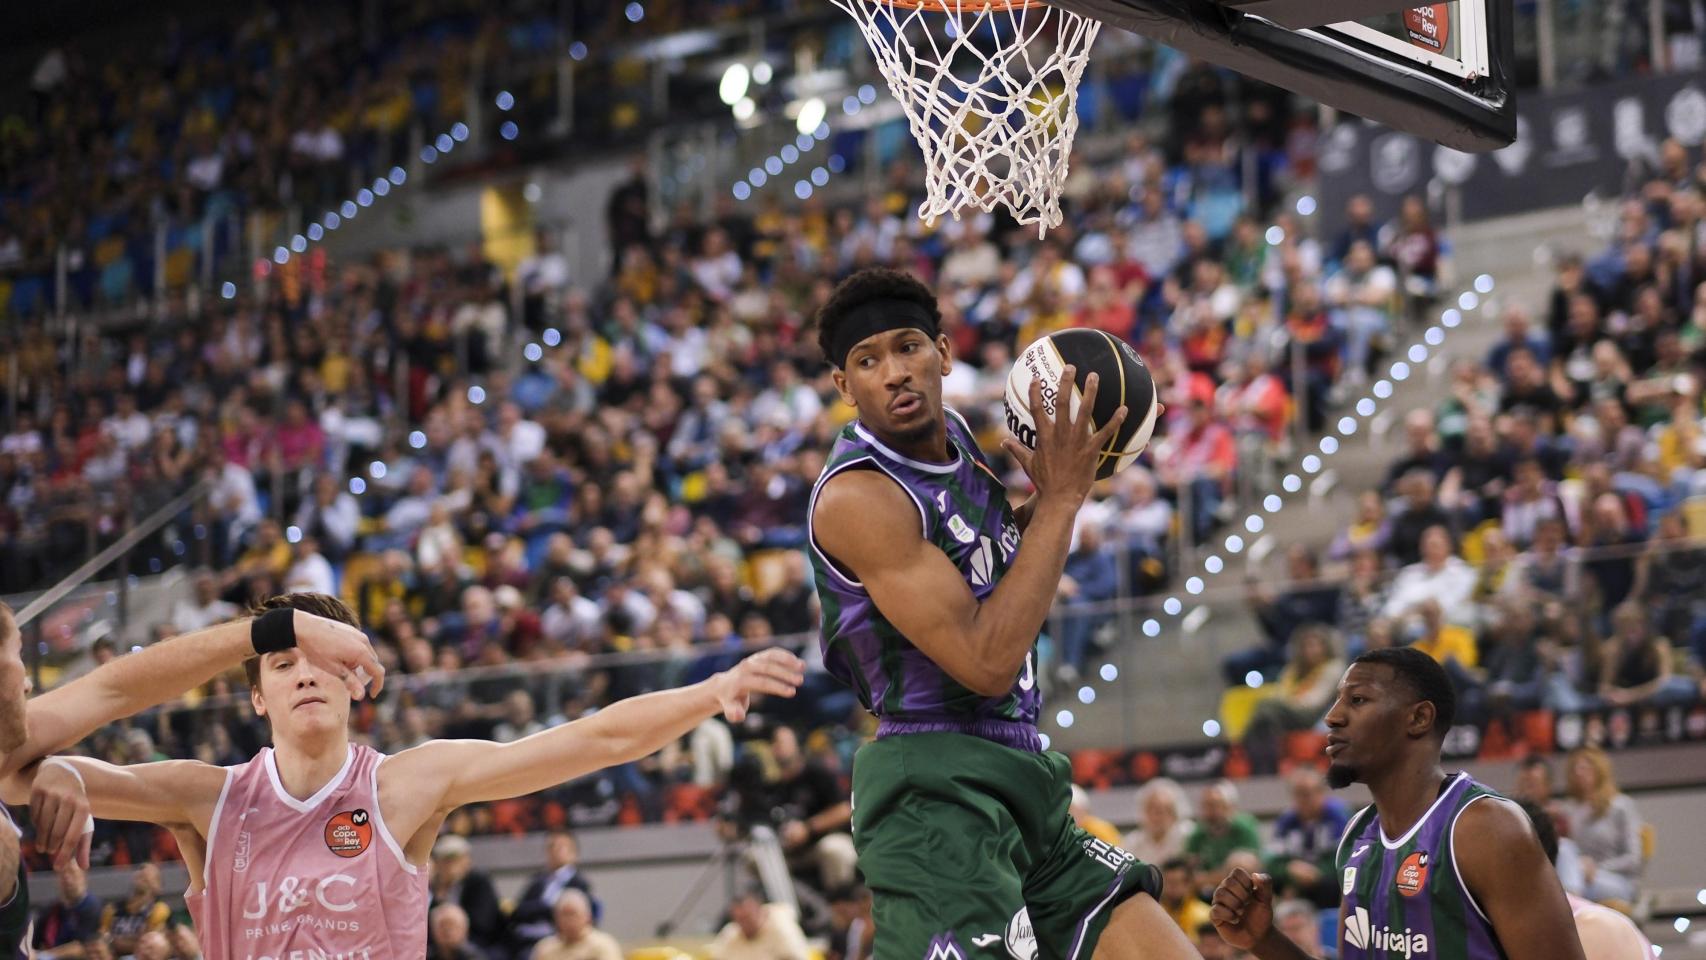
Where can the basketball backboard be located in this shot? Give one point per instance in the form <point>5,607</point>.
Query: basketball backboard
<point>1442,71</point>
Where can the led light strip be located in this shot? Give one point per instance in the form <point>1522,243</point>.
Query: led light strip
<point>1311,464</point>
<point>366,197</point>
<point>791,153</point>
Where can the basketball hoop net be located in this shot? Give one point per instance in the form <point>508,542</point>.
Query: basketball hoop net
<point>990,89</point>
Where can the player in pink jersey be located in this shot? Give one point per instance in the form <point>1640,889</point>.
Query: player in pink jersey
<point>317,847</point>
<point>1605,933</point>
<point>117,689</point>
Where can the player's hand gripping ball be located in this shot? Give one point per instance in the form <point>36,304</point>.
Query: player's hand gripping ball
<point>1124,378</point>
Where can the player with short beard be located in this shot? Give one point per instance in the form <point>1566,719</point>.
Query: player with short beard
<point>1427,870</point>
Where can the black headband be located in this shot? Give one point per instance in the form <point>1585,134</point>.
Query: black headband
<point>878,316</point>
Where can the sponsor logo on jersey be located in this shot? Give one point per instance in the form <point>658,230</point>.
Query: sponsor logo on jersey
<point>1406,943</point>
<point>1108,855</point>
<point>943,947</point>
<point>961,530</point>
<point>240,854</point>
<point>1350,880</point>
<point>1359,851</point>
<point>1009,540</point>
<point>986,940</point>
<point>1413,873</point>
<point>982,564</point>
<point>1021,939</point>
<point>349,834</point>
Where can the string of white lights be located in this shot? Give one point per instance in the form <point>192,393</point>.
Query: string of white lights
<point>319,230</point>
<point>813,130</point>
<point>1173,607</point>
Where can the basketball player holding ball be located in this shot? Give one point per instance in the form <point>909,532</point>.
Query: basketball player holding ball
<point>931,610</point>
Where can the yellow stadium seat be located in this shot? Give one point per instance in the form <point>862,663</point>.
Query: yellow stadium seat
<point>1236,706</point>
<point>109,251</point>
<point>180,263</point>
<point>1694,511</point>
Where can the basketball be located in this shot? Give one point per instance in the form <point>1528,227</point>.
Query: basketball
<point>1125,381</point>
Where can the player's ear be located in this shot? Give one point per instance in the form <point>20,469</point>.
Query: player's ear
<point>257,701</point>
<point>945,347</point>
<point>840,377</point>
<point>1420,722</point>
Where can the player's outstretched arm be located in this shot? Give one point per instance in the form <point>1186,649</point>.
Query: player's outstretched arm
<point>167,670</point>
<point>472,771</point>
<point>63,791</point>
<point>1501,862</point>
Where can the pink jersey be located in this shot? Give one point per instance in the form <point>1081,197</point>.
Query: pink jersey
<point>315,879</point>
<point>1581,905</point>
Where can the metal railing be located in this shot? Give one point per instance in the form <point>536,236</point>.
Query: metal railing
<point>31,618</point>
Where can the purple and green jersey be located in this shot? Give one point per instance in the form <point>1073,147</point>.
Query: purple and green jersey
<point>963,511</point>
<point>1403,898</point>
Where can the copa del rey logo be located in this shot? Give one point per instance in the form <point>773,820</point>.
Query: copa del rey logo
<point>1405,943</point>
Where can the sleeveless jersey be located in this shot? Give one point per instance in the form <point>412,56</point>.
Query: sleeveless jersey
<point>289,879</point>
<point>16,921</point>
<point>1403,898</point>
<point>963,511</point>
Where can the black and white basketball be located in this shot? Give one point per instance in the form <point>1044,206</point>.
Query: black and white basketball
<point>1124,381</point>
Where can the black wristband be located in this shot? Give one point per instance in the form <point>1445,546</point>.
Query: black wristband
<point>273,631</point>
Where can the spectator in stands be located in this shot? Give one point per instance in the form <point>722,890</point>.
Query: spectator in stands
<point>533,918</point>
<point>448,935</point>
<point>478,916</point>
<point>332,516</point>
<point>1418,513</point>
<point>1518,335</point>
<point>1095,826</point>
<point>1306,839</point>
<point>1164,822</point>
<point>853,929</point>
<point>124,922</point>
<point>817,817</point>
<point>205,609</point>
<point>1639,669</point>
<point>1534,789</point>
<point>1546,570</point>
<point>1179,896</point>
<point>61,929</point>
<point>1305,600</point>
<point>1473,489</point>
<point>1304,692</point>
<point>1421,451</point>
<point>1201,460</point>
<point>759,931</point>
<point>575,937</point>
<point>1090,580</point>
<point>185,945</point>
<point>1605,825</point>
<point>1672,573</point>
<point>1224,837</point>
<point>1300,921</point>
<point>1361,297</point>
<point>1440,575</point>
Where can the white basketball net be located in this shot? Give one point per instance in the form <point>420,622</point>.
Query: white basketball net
<point>991,92</point>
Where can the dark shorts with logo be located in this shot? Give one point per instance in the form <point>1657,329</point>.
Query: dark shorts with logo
<point>970,851</point>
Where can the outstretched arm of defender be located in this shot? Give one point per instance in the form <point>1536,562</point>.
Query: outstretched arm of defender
<point>472,771</point>
<point>169,792</point>
<point>1501,862</point>
<point>167,670</point>
<point>869,525</point>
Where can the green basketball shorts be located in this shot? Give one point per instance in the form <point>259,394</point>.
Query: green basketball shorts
<point>970,851</point>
